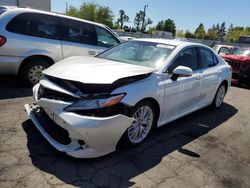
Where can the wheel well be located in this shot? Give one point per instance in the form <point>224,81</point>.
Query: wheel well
<point>225,82</point>
<point>47,59</point>
<point>156,105</point>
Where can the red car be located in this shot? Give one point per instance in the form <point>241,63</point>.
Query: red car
<point>240,63</point>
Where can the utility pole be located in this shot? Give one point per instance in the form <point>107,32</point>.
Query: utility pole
<point>143,20</point>
<point>66,7</point>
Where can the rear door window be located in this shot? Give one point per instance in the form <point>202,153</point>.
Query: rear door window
<point>207,58</point>
<point>79,32</point>
<point>33,24</point>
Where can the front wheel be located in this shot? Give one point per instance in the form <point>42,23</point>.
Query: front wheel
<point>145,119</point>
<point>219,97</point>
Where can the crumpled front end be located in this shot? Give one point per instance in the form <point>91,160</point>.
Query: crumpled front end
<point>80,133</point>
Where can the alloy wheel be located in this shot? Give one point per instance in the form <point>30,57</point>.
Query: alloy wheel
<point>142,124</point>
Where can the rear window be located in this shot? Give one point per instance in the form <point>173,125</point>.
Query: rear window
<point>34,24</point>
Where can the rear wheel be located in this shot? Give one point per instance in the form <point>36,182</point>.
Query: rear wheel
<point>31,73</point>
<point>219,97</point>
<point>145,119</point>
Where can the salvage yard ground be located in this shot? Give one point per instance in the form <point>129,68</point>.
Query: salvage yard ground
<point>205,149</point>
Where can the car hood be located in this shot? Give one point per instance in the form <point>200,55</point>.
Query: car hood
<point>94,70</point>
<point>236,57</point>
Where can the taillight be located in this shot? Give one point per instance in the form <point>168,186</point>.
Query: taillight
<point>2,40</point>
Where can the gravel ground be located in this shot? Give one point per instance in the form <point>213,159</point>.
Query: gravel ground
<point>205,149</point>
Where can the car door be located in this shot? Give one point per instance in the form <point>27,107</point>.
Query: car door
<point>181,95</point>
<point>209,75</point>
<point>78,38</point>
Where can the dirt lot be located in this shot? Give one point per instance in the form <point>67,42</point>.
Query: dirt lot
<point>205,149</point>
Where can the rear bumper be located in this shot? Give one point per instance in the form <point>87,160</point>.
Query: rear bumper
<point>10,65</point>
<point>100,135</point>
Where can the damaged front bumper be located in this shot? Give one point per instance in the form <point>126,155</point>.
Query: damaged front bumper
<point>77,135</point>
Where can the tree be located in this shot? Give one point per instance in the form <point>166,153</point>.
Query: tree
<point>72,12</point>
<point>222,31</point>
<point>200,31</point>
<point>148,21</point>
<point>138,20</point>
<point>212,33</point>
<point>160,25</point>
<point>105,16</point>
<point>180,34</point>
<point>235,32</point>
<point>167,25</point>
<point>122,18</point>
<point>189,34</point>
<point>93,12</point>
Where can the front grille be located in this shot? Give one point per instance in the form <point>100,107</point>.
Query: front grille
<point>55,131</point>
<point>51,94</point>
<point>237,65</point>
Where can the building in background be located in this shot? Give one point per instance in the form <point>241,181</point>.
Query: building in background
<point>36,4</point>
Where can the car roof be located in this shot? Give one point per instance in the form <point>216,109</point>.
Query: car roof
<point>170,42</point>
<point>18,10</point>
<point>222,45</point>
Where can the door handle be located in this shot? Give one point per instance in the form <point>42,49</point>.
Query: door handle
<point>91,52</point>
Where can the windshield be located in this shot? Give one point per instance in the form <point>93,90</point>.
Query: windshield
<point>243,52</point>
<point>148,54</point>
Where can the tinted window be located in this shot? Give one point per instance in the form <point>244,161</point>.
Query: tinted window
<point>187,58</point>
<point>76,31</point>
<point>34,24</point>
<point>105,38</point>
<point>207,58</point>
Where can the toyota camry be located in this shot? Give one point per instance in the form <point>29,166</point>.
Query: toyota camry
<point>85,106</point>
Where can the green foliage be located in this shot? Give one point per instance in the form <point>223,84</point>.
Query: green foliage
<point>122,18</point>
<point>93,12</point>
<point>212,33</point>
<point>200,31</point>
<point>138,20</point>
<point>180,34</point>
<point>189,34</point>
<point>72,12</point>
<point>167,25</point>
<point>234,33</point>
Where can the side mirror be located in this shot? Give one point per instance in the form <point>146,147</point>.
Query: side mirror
<point>181,71</point>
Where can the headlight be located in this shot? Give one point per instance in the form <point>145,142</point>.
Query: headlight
<point>95,103</point>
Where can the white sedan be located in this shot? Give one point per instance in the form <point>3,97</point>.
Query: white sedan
<point>86,105</point>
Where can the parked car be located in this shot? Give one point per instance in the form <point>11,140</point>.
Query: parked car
<point>240,63</point>
<point>85,106</point>
<point>32,40</point>
<point>225,49</point>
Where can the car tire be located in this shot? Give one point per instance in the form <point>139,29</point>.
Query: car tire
<point>139,130</point>
<point>31,72</point>
<point>219,96</point>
